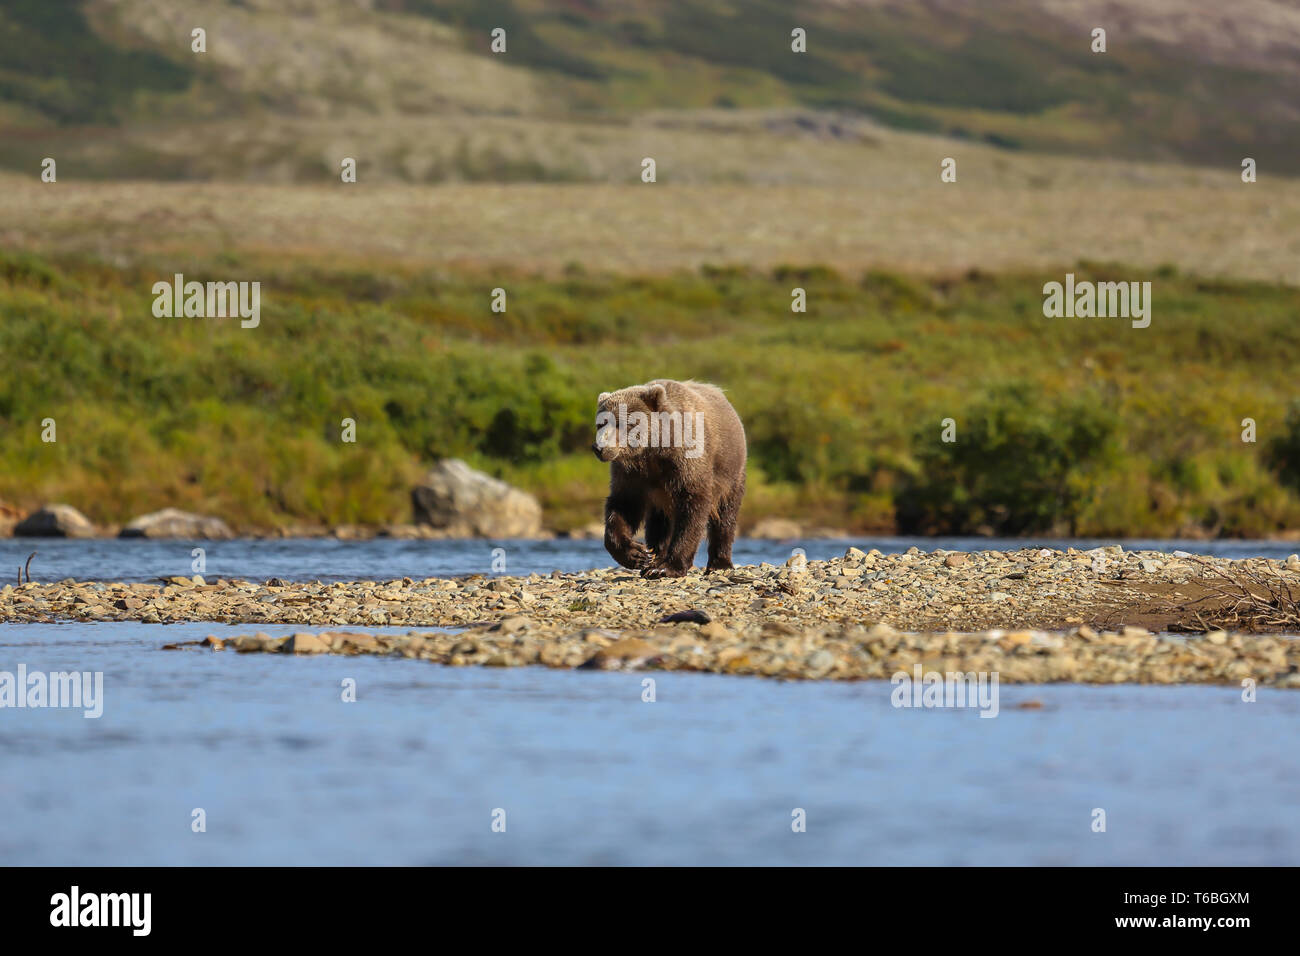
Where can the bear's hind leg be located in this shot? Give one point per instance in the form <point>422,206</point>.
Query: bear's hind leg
<point>722,531</point>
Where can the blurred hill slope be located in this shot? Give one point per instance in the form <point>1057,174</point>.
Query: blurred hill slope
<point>1196,81</point>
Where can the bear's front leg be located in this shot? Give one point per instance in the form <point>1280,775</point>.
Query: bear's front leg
<point>688,530</point>
<point>622,517</point>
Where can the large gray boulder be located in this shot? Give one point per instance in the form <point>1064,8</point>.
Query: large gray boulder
<point>174,523</point>
<point>55,521</point>
<point>463,503</point>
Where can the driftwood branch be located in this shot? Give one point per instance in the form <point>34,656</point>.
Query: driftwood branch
<point>27,568</point>
<point>1252,598</point>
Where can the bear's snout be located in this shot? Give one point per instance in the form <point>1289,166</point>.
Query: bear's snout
<point>607,453</point>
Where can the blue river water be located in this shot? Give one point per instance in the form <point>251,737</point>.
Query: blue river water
<point>586,771</point>
<point>328,559</point>
<point>583,770</point>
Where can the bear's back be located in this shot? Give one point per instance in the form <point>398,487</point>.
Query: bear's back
<point>724,434</point>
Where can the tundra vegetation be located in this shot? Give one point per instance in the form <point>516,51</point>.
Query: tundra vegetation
<point>1083,426</point>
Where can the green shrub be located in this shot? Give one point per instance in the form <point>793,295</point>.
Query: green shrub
<point>1282,453</point>
<point>1101,437</point>
<point>1020,464</point>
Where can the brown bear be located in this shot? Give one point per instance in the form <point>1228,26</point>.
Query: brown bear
<point>676,453</point>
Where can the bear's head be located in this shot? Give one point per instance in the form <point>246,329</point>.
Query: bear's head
<point>623,420</point>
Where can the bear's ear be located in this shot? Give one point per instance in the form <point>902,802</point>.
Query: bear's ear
<point>600,399</point>
<point>655,396</point>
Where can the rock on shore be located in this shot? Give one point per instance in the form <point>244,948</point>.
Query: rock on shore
<point>174,523</point>
<point>776,529</point>
<point>55,521</point>
<point>461,502</point>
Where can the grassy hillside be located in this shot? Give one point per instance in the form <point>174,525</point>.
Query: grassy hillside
<point>1187,80</point>
<point>53,65</point>
<point>1082,425</point>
